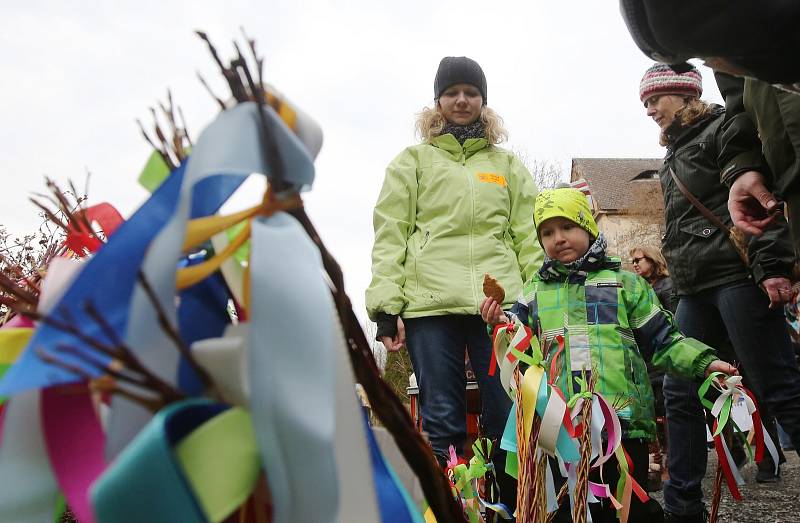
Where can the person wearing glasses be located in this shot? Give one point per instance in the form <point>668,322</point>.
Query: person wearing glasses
<point>649,263</point>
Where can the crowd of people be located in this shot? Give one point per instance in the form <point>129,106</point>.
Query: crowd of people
<point>456,206</point>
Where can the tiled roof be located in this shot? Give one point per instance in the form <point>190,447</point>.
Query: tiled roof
<point>610,179</point>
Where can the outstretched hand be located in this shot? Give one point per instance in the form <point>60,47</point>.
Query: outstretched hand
<point>492,312</point>
<point>752,206</point>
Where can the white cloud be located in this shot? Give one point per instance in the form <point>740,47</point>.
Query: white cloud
<point>76,75</point>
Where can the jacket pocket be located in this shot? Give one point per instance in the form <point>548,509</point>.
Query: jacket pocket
<point>701,228</point>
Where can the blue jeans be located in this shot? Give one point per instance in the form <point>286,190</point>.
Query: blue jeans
<point>760,338</point>
<point>436,345</point>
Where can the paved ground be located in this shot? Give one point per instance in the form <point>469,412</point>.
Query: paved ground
<point>762,503</point>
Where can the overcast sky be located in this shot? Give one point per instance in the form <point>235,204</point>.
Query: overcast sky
<point>75,76</point>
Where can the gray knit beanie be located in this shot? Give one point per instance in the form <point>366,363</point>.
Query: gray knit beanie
<point>458,70</point>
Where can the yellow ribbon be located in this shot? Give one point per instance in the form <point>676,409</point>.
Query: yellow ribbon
<point>531,382</point>
<point>201,229</point>
<point>188,276</point>
<point>12,342</point>
<point>221,461</point>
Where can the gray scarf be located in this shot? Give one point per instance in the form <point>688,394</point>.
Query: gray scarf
<point>463,132</point>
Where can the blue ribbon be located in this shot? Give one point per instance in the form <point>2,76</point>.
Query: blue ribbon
<point>107,281</point>
<point>394,502</point>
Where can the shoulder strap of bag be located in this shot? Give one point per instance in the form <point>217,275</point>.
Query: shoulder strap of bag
<point>710,216</point>
<point>736,236</point>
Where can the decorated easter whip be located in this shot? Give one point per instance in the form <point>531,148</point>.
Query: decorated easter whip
<point>386,405</point>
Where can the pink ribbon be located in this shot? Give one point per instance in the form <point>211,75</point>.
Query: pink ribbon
<point>75,443</point>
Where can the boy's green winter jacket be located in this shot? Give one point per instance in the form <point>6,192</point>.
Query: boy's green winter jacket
<point>612,323</point>
<point>446,215</point>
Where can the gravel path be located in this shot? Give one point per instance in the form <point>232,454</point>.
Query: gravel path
<point>763,502</point>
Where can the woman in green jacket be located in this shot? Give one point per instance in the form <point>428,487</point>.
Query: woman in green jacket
<point>451,209</point>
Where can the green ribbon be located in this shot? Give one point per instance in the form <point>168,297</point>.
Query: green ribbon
<point>725,412</point>
<point>221,462</point>
<point>583,393</point>
<point>155,171</point>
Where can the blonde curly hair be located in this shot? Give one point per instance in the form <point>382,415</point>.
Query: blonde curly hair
<point>431,122</point>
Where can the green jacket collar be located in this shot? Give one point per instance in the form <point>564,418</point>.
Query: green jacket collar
<point>447,142</point>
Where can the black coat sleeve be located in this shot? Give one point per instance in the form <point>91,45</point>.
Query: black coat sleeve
<point>772,254</point>
<point>739,146</point>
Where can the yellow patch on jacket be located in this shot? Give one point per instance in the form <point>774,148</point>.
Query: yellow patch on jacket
<point>498,179</point>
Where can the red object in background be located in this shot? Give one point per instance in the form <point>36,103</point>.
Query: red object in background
<point>106,216</point>
<point>82,241</point>
<point>473,413</point>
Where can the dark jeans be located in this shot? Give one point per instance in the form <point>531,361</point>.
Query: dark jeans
<point>436,345</point>
<point>760,339</point>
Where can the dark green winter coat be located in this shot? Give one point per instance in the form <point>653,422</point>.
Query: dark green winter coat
<point>776,115</point>
<point>699,255</point>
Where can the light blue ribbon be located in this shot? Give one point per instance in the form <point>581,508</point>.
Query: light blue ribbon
<point>291,362</point>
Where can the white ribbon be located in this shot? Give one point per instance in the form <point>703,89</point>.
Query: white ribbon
<point>731,388</point>
<point>29,488</point>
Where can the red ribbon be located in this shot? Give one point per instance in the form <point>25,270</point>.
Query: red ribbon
<point>635,487</point>
<point>552,378</point>
<point>82,240</point>
<point>759,428</point>
<point>726,466</point>
<point>493,363</point>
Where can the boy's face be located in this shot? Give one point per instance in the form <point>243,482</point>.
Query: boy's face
<point>563,239</point>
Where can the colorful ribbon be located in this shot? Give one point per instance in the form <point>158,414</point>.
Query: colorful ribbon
<point>730,389</point>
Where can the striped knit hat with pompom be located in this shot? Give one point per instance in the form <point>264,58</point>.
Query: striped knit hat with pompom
<point>661,79</point>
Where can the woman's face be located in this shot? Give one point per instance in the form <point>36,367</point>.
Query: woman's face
<point>563,239</point>
<point>642,265</point>
<point>461,104</point>
<point>662,108</point>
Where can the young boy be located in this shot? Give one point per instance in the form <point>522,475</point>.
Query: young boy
<point>611,322</point>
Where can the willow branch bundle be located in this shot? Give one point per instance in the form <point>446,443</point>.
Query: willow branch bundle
<point>522,444</point>
<point>559,499</point>
<point>716,494</point>
<point>532,506</point>
<point>385,403</point>
<point>716,490</point>
<point>536,508</point>
<point>579,508</point>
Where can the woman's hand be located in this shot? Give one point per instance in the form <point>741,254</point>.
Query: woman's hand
<point>398,342</point>
<point>721,366</point>
<point>492,312</point>
<point>779,290</point>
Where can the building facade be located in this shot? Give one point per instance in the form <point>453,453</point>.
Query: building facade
<point>627,200</point>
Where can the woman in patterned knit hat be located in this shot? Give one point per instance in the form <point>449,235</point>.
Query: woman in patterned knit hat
<point>452,208</point>
<point>724,291</point>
